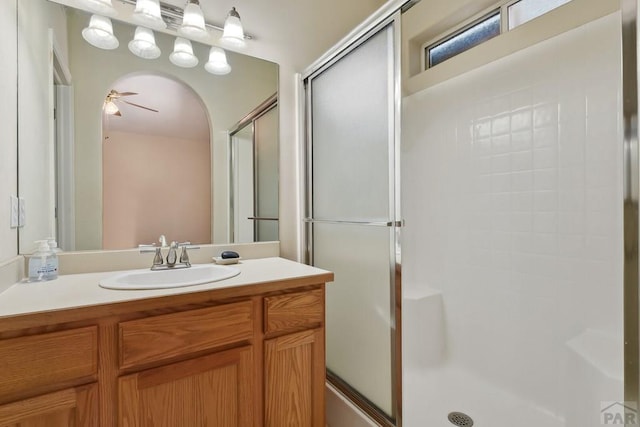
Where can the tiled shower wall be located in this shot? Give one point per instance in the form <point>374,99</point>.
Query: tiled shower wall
<point>512,195</point>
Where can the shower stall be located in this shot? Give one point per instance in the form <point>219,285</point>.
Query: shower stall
<point>513,200</point>
<point>518,209</point>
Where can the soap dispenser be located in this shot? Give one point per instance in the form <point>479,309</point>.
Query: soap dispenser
<point>43,263</point>
<point>53,245</point>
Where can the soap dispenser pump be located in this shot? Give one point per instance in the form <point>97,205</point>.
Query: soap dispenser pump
<point>43,263</point>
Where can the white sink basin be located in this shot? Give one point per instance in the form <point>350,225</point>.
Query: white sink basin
<point>163,279</point>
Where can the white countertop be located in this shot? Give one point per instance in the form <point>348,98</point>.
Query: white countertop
<point>82,290</point>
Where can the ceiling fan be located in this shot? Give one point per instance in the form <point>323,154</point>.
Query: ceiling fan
<point>114,96</point>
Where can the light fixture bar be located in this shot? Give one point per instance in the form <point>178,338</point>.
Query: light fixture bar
<point>173,17</point>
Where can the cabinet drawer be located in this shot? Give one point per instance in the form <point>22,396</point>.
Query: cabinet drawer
<point>300,310</point>
<point>35,363</point>
<point>170,335</point>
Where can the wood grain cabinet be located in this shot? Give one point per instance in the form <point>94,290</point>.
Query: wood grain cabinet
<point>213,390</point>
<point>224,358</point>
<point>294,380</point>
<point>73,407</point>
<point>294,361</point>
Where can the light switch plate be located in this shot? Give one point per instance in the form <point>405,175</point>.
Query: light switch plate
<point>14,219</point>
<point>21,212</point>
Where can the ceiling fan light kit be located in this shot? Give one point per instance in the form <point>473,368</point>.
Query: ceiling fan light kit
<point>99,33</point>
<point>148,14</point>
<point>111,108</point>
<point>182,55</point>
<point>114,96</point>
<point>144,44</point>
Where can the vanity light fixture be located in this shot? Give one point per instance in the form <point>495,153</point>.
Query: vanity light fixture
<point>99,33</point>
<point>193,21</point>
<point>144,44</point>
<point>102,7</point>
<point>217,63</point>
<point>182,54</point>
<point>233,34</point>
<point>147,13</point>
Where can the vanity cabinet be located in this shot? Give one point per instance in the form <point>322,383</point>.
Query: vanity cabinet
<point>212,390</point>
<point>294,380</point>
<point>294,361</point>
<point>72,407</point>
<point>247,356</point>
<point>37,378</point>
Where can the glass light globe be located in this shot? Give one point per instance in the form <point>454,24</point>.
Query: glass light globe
<point>102,7</point>
<point>193,21</point>
<point>217,63</point>
<point>144,45</point>
<point>182,54</point>
<point>233,35</point>
<point>111,108</point>
<point>147,13</point>
<point>99,33</point>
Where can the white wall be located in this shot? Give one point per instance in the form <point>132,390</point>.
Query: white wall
<point>8,120</point>
<point>512,195</point>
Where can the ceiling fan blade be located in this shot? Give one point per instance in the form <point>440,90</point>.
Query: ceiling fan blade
<point>115,94</point>
<point>140,106</point>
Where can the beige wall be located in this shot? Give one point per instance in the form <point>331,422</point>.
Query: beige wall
<point>8,117</point>
<point>155,185</point>
<point>428,21</point>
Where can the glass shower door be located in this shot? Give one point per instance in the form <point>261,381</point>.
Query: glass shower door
<point>352,217</point>
<point>253,144</point>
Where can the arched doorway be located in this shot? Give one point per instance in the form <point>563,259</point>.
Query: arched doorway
<point>156,160</point>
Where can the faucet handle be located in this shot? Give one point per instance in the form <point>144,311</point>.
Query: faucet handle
<point>163,241</point>
<point>184,256</point>
<point>147,248</point>
<point>157,259</point>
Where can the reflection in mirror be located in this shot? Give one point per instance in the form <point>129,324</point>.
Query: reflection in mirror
<point>54,59</point>
<point>154,125</point>
<point>254,175</point>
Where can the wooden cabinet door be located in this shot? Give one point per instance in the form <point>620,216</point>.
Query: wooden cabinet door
<point>215,390</point>
<point>73,407</point>
<point>294,380</point>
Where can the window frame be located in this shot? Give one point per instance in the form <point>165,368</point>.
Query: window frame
<point>501,8</point>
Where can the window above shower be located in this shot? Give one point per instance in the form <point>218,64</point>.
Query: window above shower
<point>483,27</point>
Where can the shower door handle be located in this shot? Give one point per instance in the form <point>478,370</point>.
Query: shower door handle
<point>365,223</point>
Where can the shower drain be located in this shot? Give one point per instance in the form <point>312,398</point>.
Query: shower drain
<point>459,419</point>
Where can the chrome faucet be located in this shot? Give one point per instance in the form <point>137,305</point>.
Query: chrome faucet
<point>171,260</point>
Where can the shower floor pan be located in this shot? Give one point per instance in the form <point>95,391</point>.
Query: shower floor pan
<point>430,396</point>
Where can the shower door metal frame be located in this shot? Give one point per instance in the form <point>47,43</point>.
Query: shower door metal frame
<point>390,19</point>
<point>631,183</point>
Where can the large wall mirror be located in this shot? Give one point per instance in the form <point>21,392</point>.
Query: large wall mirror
<point>115,150</point>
